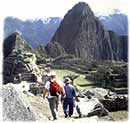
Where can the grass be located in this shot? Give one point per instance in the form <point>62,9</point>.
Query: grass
<point>119,115</point>
<point>80,80</point>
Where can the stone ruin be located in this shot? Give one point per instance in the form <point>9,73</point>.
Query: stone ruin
<point>113,76</point>
<point>20,67</point>
<point>115,102</point>
<point>110,100</point>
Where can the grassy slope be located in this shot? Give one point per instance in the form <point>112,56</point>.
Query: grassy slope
<point>119,115</point>
<point>80,80</point>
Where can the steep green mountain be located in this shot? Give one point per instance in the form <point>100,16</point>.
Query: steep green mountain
<point>81,34</point>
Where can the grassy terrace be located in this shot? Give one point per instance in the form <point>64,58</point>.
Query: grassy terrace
<point>119,115</point>
<point>80,80</point>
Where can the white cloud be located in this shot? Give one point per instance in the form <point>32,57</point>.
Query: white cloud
<point>45,8</point>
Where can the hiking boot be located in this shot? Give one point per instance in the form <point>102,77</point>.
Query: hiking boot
<point>66,115</point>
<point>54,119</point>
<point>80,116</point>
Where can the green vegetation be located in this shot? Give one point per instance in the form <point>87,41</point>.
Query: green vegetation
<point>119,115</point>
<point>80,80</point>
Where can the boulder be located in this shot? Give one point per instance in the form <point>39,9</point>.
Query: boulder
<point>90,107</point>
<point>110,100</point>
<point>115,102</point>
<point>97,92</point>
<point>36,89</point>
<point>16,106</point>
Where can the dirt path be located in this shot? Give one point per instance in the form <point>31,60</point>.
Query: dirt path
<point>41,106</point>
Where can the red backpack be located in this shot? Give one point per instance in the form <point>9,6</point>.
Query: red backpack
<point>55,88</point>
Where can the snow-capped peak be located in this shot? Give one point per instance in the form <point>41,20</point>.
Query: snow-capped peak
<point>108,13</point>
<point>47,20</point>
<point>53,20</point>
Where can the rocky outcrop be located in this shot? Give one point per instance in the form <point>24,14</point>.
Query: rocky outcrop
<point>110,100</point>
<point>19,62</point>
<point>119,46</point>
<point>15,42</point>
<point>124,47</point>
<point>116,46</point>
<point>90,107</point>
<point>36,89</point>
<point>41,54</point>
<point>15,105</point>
<point>55,49</point>
<point>23,64</point>
<point>115,102</point>
<point>82,35</point>
<point>97,92</point>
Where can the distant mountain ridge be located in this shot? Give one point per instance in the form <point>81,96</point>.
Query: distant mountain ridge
<point>117,22</point>
<point>40,31</point>
<point>36,32</point>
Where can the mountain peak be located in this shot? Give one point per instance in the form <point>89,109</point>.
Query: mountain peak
<point>81,5</point>
<point>16,34</point>
<point>15,42</point>
<point>81,9</point>
<point>81,34</point>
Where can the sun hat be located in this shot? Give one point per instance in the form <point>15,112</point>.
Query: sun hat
<point>67,80</point>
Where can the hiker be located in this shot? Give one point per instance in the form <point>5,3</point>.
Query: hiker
<point>68,97</point>
<point>53,89</point>
<point>77,100</point>
<point>47,73</point>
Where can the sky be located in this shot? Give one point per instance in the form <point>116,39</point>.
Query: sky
<point>31,9</point>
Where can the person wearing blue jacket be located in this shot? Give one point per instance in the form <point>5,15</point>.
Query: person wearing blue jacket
<point>69,96</point>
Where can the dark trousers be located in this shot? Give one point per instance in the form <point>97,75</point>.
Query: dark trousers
<point>53,103</point>
<point>68,103</point>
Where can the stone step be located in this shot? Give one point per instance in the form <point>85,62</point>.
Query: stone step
<point>123,90</point>
<point>120,84</point>
<point>120,80</point>
<point>88,84</point>
<point>27,75</point>
<point>115,75</point>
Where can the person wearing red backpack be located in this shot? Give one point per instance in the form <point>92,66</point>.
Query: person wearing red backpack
<point>54,90</point>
